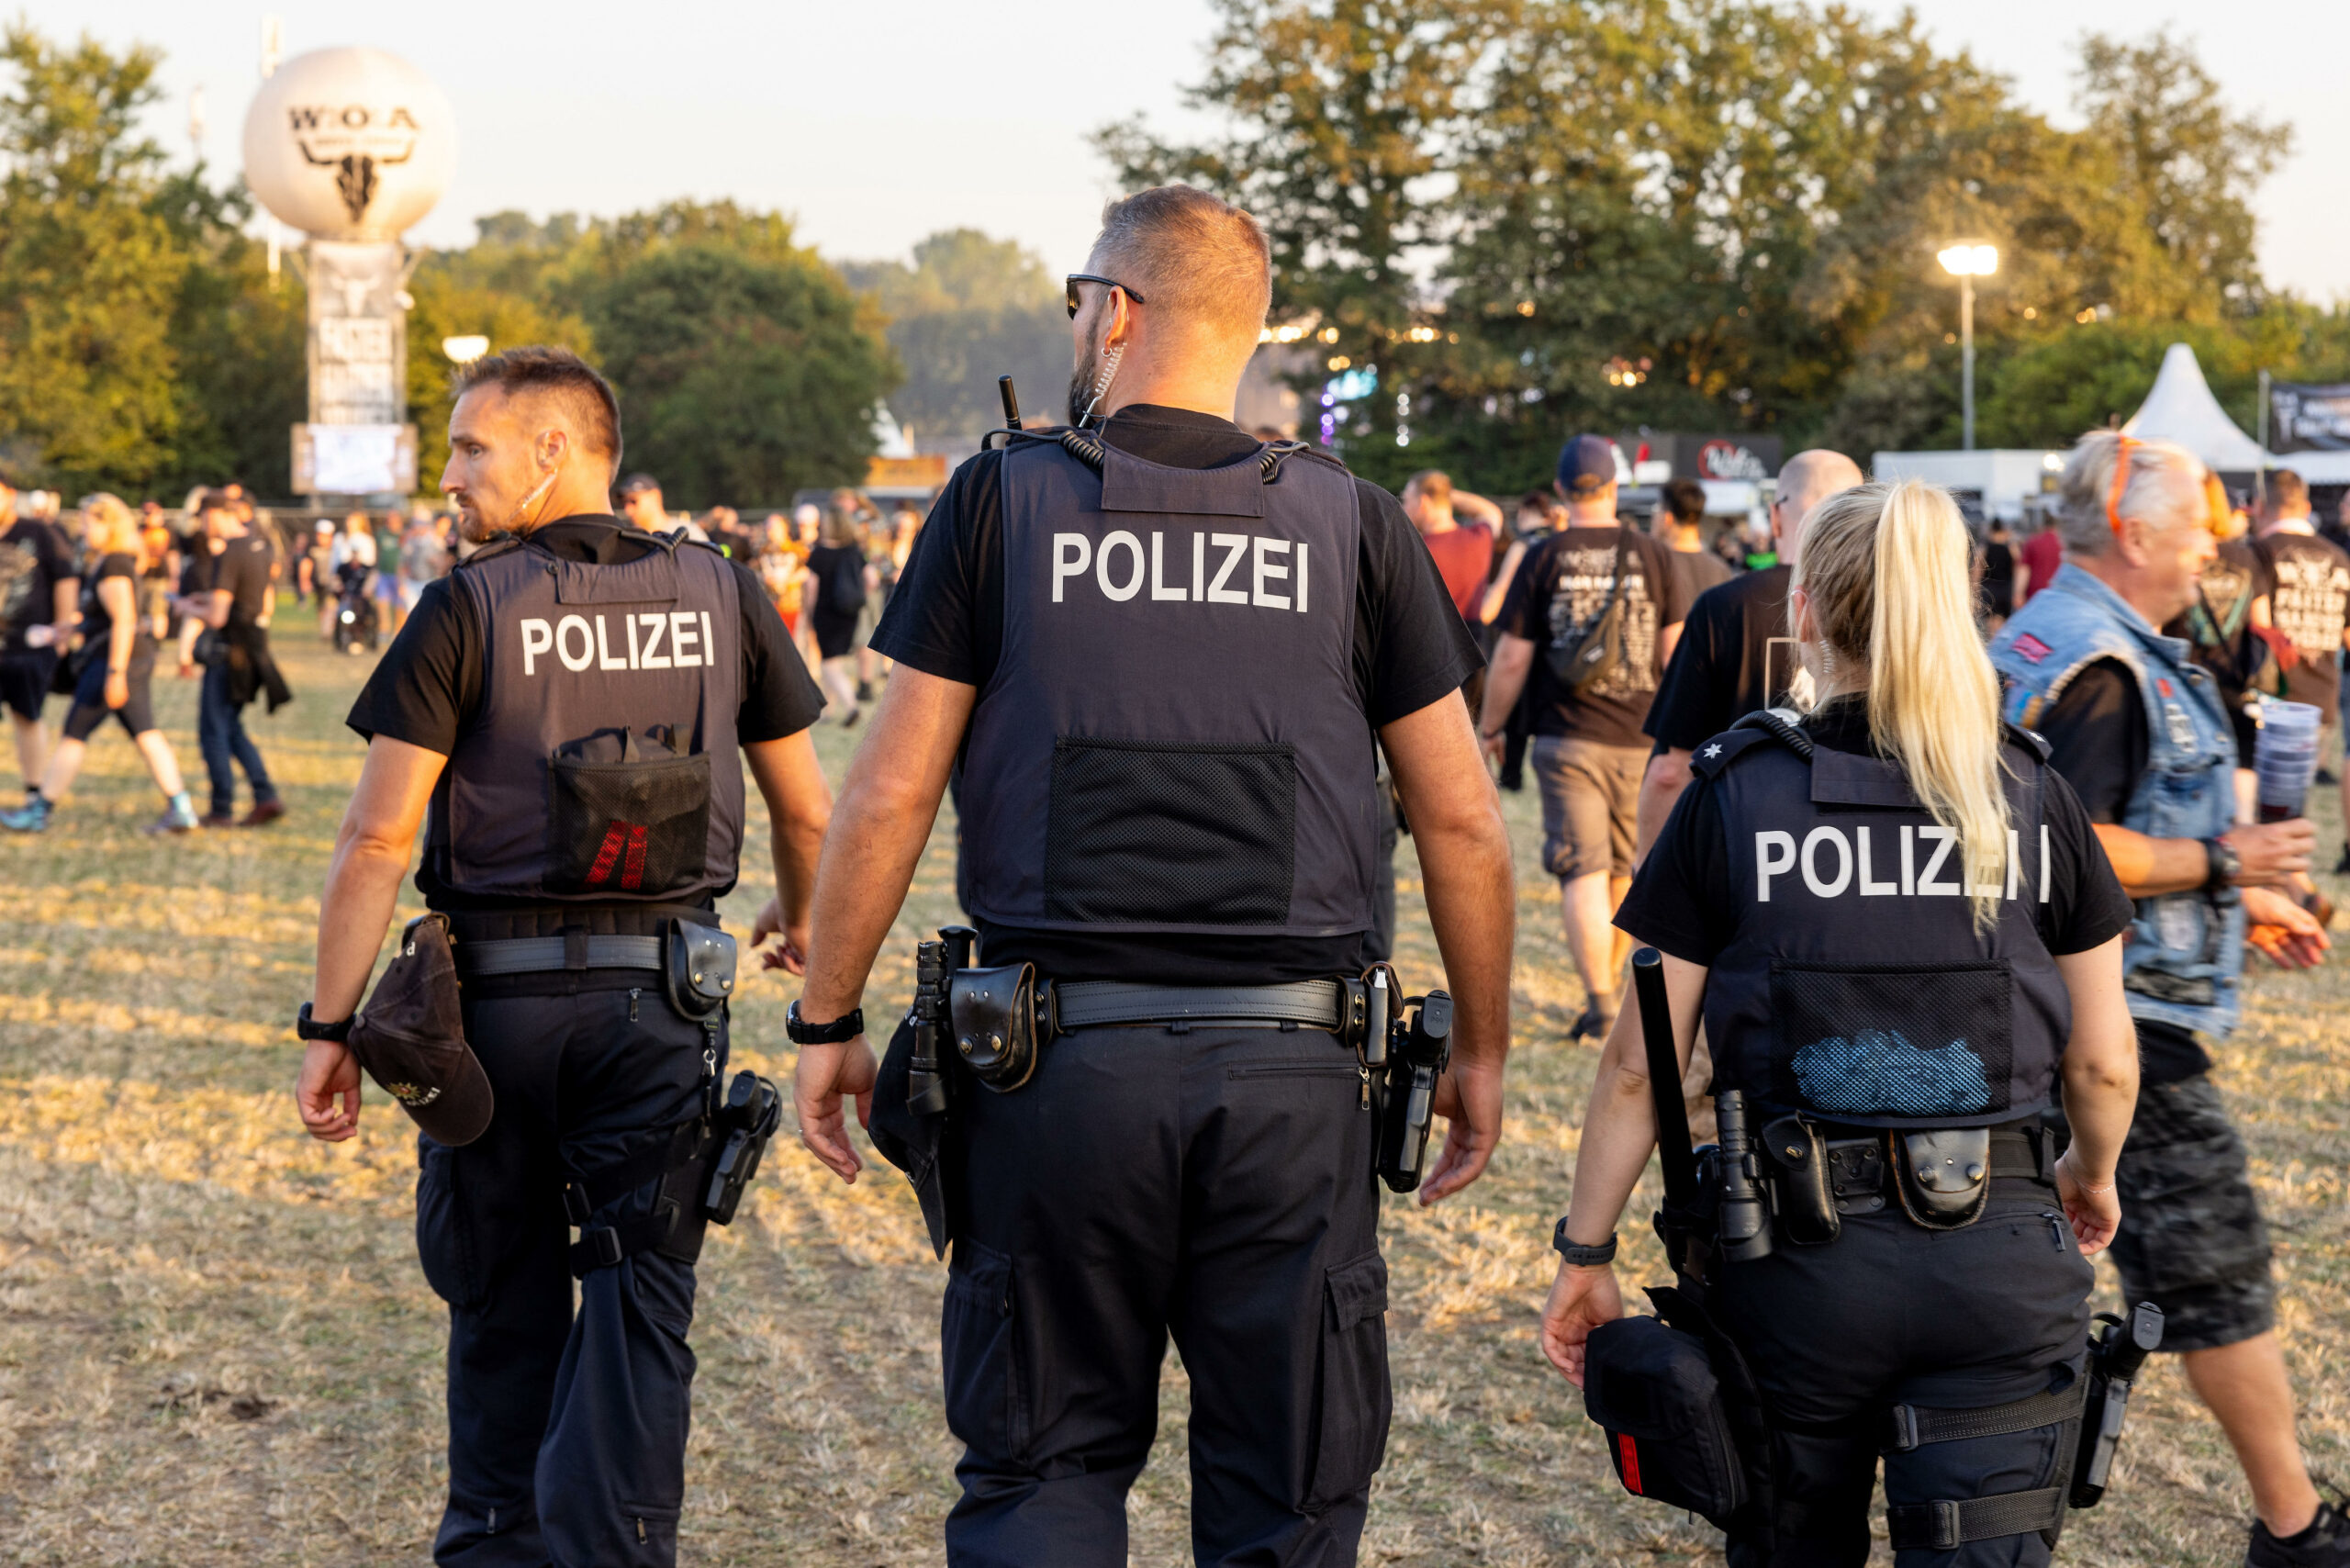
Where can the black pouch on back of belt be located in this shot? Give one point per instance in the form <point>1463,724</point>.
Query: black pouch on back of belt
<point>698,970</point>
<point>1945,1177</point>
<point>993,1013</point>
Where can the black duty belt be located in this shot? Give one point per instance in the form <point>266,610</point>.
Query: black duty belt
<point>1860,1170</point>
<point>572,950</point>
<point>1313,1004</point>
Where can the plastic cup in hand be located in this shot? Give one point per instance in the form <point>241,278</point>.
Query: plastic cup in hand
<point>2286,758</point>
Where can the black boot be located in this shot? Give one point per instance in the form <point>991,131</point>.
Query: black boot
<point>2324,1544</point>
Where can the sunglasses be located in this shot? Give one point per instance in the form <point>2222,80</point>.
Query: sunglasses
<point>1073,279</point>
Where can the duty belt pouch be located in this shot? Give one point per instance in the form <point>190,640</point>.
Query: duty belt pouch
<point>1943,1177</point>
<point>627,814</point>
<point>1655,1391</point>
<point>993,1013</point>
<point>1807,1212</point>
<point>698,971</point>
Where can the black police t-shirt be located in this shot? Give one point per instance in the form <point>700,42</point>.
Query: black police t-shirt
<point>1565,583</point>
<point>33,560</point>
<point>428,686</point>
<point>1735,655</point>
<point>1683,901</point>
<point>945,619</point>
<point>2309,601</point>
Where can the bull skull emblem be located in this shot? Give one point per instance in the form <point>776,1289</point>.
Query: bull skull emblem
<point>354,176</point>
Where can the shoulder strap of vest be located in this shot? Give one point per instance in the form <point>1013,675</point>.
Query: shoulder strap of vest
<point>503,545</point>
<point>2030,740</point>
<point>1086,447</point>
<point>1771,724</point>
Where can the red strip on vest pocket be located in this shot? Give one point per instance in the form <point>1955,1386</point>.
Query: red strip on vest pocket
<point>1630,1452</point>
<point>632,873</point>
<point>608,854</point>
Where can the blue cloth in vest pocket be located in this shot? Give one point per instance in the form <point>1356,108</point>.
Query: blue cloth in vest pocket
<point>1893,1040</point>
<point>1171,836</point>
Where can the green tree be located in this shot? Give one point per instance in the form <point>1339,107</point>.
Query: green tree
<point>969,310</point>
<point>89,272</point>
<point>239,342</point>
<point>447,308</point>
<point>747,368</point>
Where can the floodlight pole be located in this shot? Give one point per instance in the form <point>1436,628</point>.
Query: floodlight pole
<point>1966,362</point>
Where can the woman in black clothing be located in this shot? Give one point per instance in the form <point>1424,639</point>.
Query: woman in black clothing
<point>116,660</point>
<point>838,583</point>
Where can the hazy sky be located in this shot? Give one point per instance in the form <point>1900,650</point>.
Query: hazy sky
<point>878,123</point>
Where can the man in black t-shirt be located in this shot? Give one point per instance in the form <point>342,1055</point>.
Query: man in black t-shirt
<point>1161,650</point>
<point>575,662</point>
<point>1586,750</point>
<point>38,592</point>
<point>234,604</point>
<point>1736,652</point>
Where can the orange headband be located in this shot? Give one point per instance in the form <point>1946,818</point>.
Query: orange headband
<point>2120,482</point>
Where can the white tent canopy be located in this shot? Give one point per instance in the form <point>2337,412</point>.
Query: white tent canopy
<point>2181,410</point>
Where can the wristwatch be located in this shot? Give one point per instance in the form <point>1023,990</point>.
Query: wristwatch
<point>2225,864</point>
<point>846,1027</point>
<point>1583,1257</point>
<point>309,1028</point>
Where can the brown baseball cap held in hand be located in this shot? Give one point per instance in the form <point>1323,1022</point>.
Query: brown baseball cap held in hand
<point>411,1037</point>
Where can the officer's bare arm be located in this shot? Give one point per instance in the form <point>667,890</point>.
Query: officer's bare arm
<point>371,855</point>
<point>800,803</point>
<point>879,825</point>
<point>2100,1068</point>
<point>1504,678</point>
<point>1661,788</point>
<point>1465,866</point>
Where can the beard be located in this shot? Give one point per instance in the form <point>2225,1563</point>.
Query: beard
<point>1082,377</point>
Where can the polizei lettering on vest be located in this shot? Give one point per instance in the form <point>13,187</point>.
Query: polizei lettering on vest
<point>1119,565</point>
<point>1833,863</point>
<point>675,639</point>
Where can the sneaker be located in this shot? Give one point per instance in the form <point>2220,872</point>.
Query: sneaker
<point>263,813</point>
<point>854,715</point>
<point>2327,776</point>
<point>1595,1022</point>
<point>2342,867</point>
<point>30,817</point>
<point>217,819</point>
<point>175,819</point>
<point>865,692</point>
<point>2324,1544</point>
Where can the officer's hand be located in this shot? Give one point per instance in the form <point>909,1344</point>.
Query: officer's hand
<point>2281,929</point>
<point>1581,1300</point>
<point>2272,851</point>
<point>790,955</point>
<point>328,1092</point>
<point>1470,1096</point>
<point>2095,1216</point>
<point>825,1073</point>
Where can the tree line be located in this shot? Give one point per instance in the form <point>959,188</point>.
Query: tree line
<point>1534,217</point>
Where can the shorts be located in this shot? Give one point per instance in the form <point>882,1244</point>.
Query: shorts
<point>2192,1240</point>
<point>24,682</point>
<point>89,711</point>
<point>1591,796</point>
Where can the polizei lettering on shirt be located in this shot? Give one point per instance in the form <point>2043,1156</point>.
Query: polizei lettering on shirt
<point>1880,862</point>
<point>1223,569</point>
<point>672,639</point>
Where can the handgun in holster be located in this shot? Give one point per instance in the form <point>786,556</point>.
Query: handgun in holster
<point>1418,1047</point>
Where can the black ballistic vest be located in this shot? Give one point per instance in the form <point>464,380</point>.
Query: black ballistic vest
<point>1173,740</point>
<point>603,764</point>
<point>1856,988</point>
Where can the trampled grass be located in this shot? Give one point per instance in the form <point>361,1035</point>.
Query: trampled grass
<point>216,1348</point>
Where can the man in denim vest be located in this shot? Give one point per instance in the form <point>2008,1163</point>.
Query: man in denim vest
<point>2139,731</point>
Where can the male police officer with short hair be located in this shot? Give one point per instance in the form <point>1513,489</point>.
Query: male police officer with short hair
<point>1162,651</point>
<point>573,705</point>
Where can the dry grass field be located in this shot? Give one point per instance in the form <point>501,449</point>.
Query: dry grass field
<point>215,1347</point>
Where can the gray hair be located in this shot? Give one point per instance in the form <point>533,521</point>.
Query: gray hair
<point>2159,471</point>
<point>1200,261</point>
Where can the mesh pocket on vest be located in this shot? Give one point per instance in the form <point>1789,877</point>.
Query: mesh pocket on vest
<point>1172,834</point>
<point>633,825</point>
<point>1893,1040</point>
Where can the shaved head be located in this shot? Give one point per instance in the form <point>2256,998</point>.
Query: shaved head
<point>1805,480</point>
<point>1202,264</point>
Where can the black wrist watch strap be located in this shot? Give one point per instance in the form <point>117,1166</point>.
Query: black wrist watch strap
<point>309,1028</point>
<point>1582,1257</point>
<point>839,1030</point>
<point>2224,864</point>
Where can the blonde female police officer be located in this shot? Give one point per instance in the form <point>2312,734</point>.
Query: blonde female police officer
<point>1893,917</point>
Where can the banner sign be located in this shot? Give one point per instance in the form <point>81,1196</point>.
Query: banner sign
<point>2303,417</point>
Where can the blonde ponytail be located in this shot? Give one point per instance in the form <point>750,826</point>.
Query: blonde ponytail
<point>1886,568</point>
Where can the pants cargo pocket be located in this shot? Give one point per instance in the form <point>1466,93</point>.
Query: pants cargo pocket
<point>979,1353</point>
<point>445,1243</point>
<point>1353,1400</point>
<point>648,1534</point>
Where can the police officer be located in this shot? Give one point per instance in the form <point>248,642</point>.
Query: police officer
<point>2141,733</point>
<point>567,715</point>
<point>1901,933</point>
<point>1163,650</point>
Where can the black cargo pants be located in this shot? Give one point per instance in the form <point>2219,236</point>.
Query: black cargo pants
<point>1216,1185</point>
<point>566,1429</point>
<point>1891,1313</point>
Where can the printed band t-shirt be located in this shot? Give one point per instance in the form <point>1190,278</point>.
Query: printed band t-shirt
<point>33,561</point>
<point>1564,585</point>
<point>2309,601</point>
